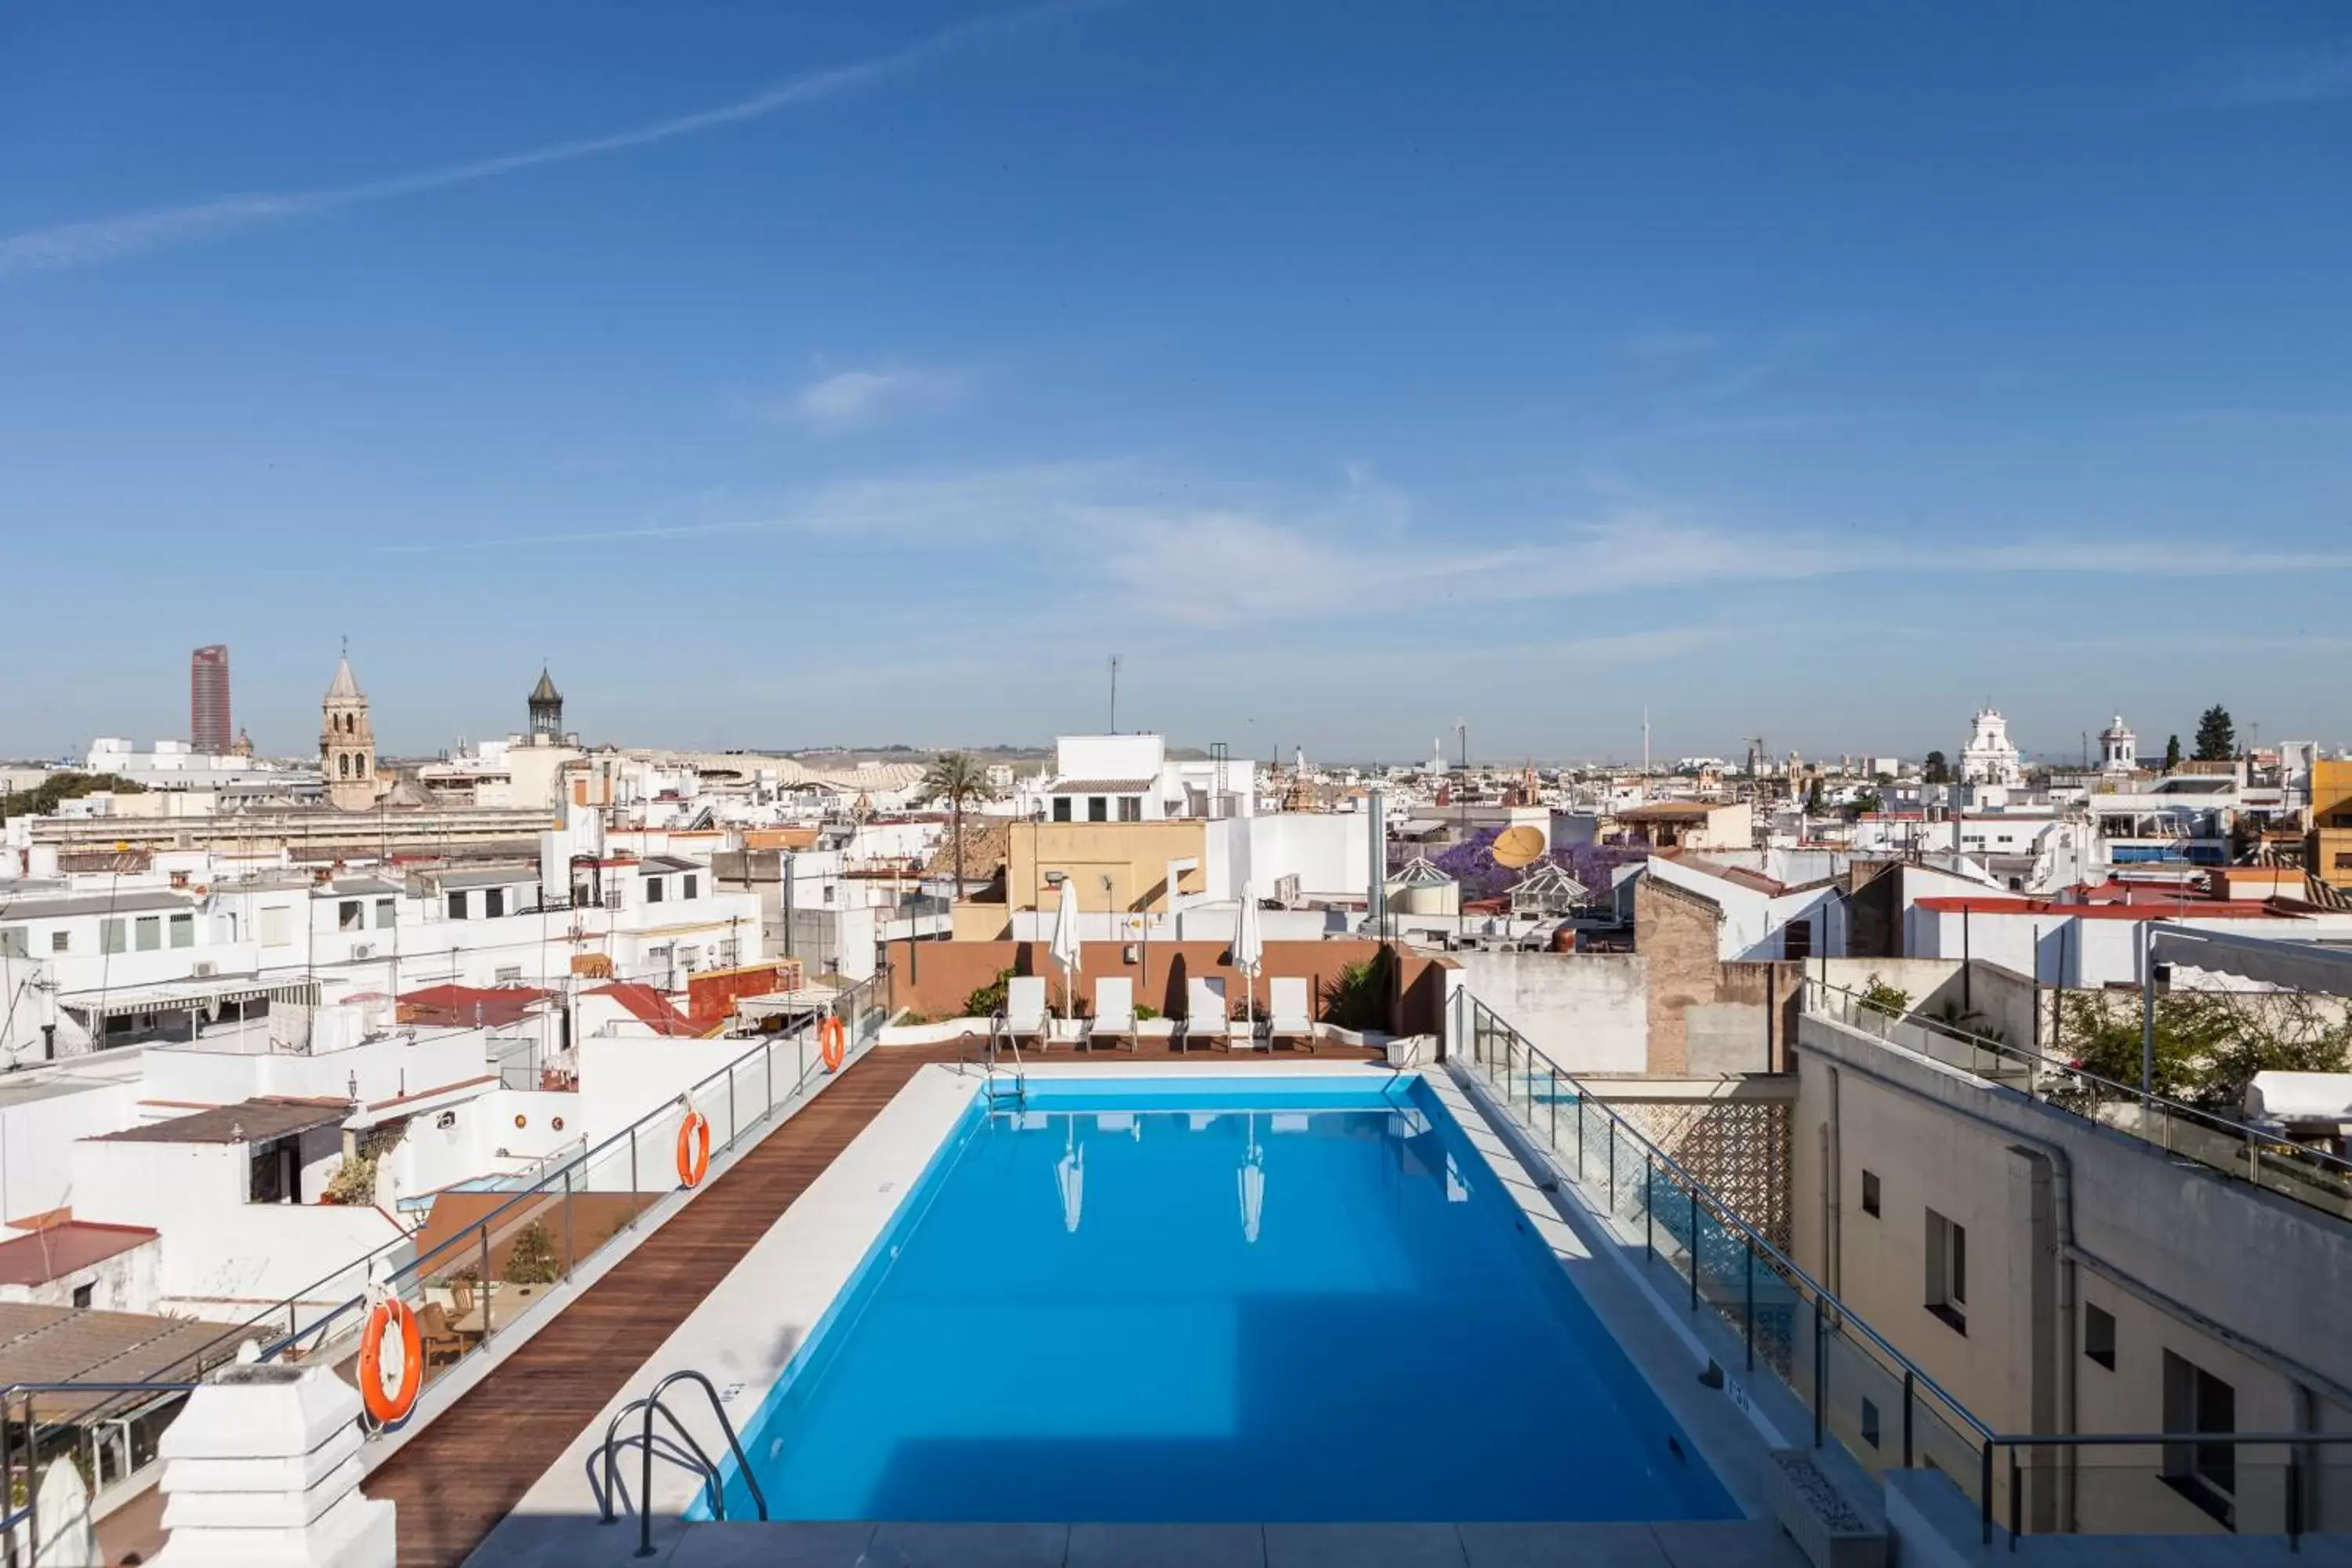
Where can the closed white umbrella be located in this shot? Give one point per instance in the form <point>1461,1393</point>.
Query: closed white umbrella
<point>1066,946</point>
<point>1249,953</point>
<point>1252,1186</point>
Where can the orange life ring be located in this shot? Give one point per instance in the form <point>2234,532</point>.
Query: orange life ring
<point>388,1406</point>
<point>833,1043</point>
<point>694,1148</point>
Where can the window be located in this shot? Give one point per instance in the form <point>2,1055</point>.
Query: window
<point>1797,940</point>
<point>110,936</point>
<point>494,903</point>
<point>2204,1473</point>
<point>692,887</point>
<point>1061,808</point>
<point>60,941</point>
<point>458,906</point>
<point>1131,809</point>
<point>184,930</point>
<point>829,892</point>
<point>1098,808</point>
<point>1870,1423</point>
<point>2344,859</point>
<point>387,913</point>
<point>730,953</point>
<point>12,943</point>
<point>1948,1271</point>
<point>2099,1335</point>
<point>85,1294</point>
<point>350,914</point>
<point>1870,1192</point>
<point>147,933</point>
<point>652,889</point>
<point>278,926</point>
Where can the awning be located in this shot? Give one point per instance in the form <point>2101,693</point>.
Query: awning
<point>2292,965</point>
<point>188,995</point>
<point>66,1344</point>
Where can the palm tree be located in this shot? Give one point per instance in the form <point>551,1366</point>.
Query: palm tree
<point>956,777</point>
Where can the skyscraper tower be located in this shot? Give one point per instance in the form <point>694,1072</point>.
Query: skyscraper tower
<point>546,711</point>
<point>209,729</point>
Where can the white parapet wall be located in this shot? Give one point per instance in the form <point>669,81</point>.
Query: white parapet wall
<point>262,1470</point>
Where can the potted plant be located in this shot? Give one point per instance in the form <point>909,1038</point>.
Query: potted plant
<point>531,1261</point>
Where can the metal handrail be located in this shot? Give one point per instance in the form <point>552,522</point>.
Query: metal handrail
<point>1724,1211</point>
<point>651,1402</point>
<point>1000,1029</point>
<point>548,1182</point>
<point>2075,1440</point>
<point>25,1515</point>
<point>2031,1057</point>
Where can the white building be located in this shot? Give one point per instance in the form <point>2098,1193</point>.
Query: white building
<point>1990,758</point>
<point>176,767</point>
<point>2119,748</point>
<point>1131,778</point>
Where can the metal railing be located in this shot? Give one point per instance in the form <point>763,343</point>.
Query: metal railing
<point>542,1234</point>
<point>1869,1397</point>
<point>21,1460</point>
<point>562,1220</point>
<point>1875,1401</point>
<point>2222,1143</point>
<point>2193,1483</point>
<point>682,1450</point>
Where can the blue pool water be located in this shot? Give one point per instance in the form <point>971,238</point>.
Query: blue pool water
<point>1239,1299</point>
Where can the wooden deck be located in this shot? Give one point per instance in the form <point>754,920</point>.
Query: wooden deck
<point>462,1473</point>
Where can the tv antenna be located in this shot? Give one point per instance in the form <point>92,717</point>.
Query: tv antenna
<point>1114,694</point>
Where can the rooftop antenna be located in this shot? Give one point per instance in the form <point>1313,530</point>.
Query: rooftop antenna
<point>1645,742</point>
<point>1114,694</point>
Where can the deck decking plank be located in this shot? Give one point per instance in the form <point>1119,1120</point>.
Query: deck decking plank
<point>460,1475</point>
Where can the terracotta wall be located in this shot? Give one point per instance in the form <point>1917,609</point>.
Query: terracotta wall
<point>945,973</point>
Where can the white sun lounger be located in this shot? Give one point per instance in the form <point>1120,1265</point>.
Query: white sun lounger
<point>1204,1012</point>
<point>1025,1010</point>
<point>1114,1011</point>
<point>1289,1015</point>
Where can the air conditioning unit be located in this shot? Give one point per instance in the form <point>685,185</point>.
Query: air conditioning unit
<point>363,949</point>
<point>205,970</point>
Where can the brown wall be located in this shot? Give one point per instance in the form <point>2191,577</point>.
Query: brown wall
<point>946,972</point>
<point>1674,931</point>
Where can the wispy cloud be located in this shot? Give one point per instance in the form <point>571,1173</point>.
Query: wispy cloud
<point>1117,536</point>
<point>114,238</point>
<point>853,400</point>
<point>2319,75</point>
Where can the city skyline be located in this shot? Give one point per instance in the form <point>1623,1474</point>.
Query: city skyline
<point>881,371</point>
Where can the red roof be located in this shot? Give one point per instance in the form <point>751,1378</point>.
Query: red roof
<point>647,1006</point>
<point>64,1248</point>
<point>2191,905</point>
<point>466,1005</point>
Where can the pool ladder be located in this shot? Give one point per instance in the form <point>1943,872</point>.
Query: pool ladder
<point>603,1467</point>
<point>998,1093</point>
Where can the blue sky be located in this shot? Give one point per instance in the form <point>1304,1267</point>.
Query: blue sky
<point>872,372</point>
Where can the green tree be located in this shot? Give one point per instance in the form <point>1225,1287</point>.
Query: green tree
<point>531,1259</point>
<point>1865,802</point>
<point>2216,737</point>
<point>44,797</point>
<point>1936,769</point>
<point>2208,1044</point>
<point>2171,752</point>
<point>956,777</point>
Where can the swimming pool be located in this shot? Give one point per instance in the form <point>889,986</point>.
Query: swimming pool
<point>1232,1299</point>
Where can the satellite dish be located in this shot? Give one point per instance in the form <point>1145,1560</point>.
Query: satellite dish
<point>1520,846</point>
